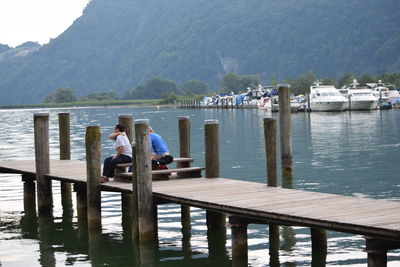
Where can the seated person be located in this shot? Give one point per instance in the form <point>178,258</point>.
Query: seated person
<point>123,153</point>
<point>160,155</point>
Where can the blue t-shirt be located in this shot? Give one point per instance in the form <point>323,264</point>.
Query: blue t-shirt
<point>158,145</point>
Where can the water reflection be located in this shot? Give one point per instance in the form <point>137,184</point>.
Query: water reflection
<point>355,155</point>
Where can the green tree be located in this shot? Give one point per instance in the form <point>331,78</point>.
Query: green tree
<point>154,88</point>
<point>169,98</point>
<point>346,79</point>
<point>109,95</point>
<point>233,82</point>
<point>61,95</point>
<point>302,84</point>
<point>195,87</point>
<point>366,78</point>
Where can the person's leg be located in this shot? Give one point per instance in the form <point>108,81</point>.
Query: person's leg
<point>165,160</point>
<point>118,160</point>
<point>106,166</point>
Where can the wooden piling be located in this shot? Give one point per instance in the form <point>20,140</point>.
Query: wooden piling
<point>377,251</point>
<point>215,221</point>
<point>144,192</point>
<point>126,198</point>
<point>319,247</point>
<point>285,130</point>
<point>184,140</point>
<point>184,152</point>
<point>270,150</point>
<point>93,171</point>
<point>81,205</point>
<point>272,180</point>
<point>29,197</point>
<point>349,103</point>
<point>211,133</point>
<point>239,242</point>
<point>65,154</point>
<point>126,120</point>
<point>42,159</point>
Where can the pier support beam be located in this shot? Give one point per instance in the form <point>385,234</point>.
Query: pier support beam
<point>93,171</point>
<point>42,158</point>
<point>216,222</point>
<point>239,241</point>
<point>81,204</point>
<point>285,131</point>
<point>319,247</point>
<point>211,139</point>
<point>184,152</point>
<point>377,250</point>
<point>145,214</point>
<point>126,198</point>
<point>65,154</point>
<point>29,197</point>
<point>272,180</point>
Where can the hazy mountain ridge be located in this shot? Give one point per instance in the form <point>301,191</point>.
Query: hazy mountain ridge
<point>120,44</point>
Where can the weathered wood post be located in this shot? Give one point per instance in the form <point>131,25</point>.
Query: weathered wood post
<point>285,130</point>
<point>272,180</point>
<point>42,159</point>
<point>319,247</point>
<point>239,241</point>
<point>29,196</point>
<point>377,251</point>
<point>349,103</point>
<point>93,172</point>
<point>216,222</point>
<point>144,193</point>
<point>65,154</point>
<point>184,152</point>
<point>127,198</point>
<point>270,150</point>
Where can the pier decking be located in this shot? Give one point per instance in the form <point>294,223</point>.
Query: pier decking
<point>369,217</point>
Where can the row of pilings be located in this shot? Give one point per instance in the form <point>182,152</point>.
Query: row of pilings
<point>139,207</point>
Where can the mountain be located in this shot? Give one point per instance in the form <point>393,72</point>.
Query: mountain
<point>121,44</point>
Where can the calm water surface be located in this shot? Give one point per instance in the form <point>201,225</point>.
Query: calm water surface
<point>356,155</point>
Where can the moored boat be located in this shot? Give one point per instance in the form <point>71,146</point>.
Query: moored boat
<point>326,98</point>
<point>359,98</point>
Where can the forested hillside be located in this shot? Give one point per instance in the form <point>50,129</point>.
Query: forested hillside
<point>117,45</point>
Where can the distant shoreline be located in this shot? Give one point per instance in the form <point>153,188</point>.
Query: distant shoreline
<point>109,103</point>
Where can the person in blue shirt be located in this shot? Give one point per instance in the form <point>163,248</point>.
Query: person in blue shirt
<point>160,155</point>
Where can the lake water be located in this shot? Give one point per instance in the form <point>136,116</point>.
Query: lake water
<point>353,154</point>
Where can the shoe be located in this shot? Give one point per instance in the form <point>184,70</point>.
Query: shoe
<point>104,179</point>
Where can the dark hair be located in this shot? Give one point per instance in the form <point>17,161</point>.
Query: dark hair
<point>120,127</point>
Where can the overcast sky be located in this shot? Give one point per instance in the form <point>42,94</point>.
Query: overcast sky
<point>36,20</point>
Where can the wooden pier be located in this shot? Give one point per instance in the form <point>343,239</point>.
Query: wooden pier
<point>243,202</point>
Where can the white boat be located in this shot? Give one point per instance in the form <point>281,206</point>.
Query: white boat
<point>383,92</point>
<point>359,98</point>
<point>326,98</point>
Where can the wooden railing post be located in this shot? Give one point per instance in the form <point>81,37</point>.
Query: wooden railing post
<point>42,159</point>
<point>144,193</point>
<point>93,171</point>
<point>65,154</point>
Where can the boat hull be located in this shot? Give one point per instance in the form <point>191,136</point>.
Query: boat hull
<point>361,105</point>
<point>327,106</point>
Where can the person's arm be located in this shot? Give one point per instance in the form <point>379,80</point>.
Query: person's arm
<point>119,152</point>
<point>113,136</point>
